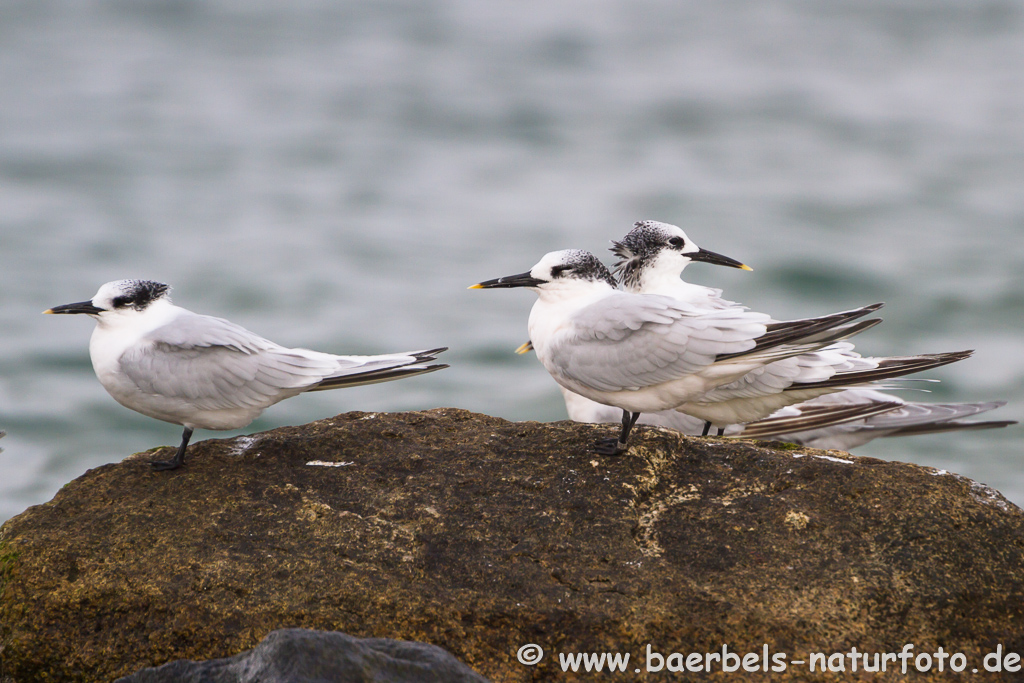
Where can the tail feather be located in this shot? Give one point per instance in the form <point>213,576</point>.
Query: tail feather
<point>396,367</point>
<point>951,426</point>
<point>913,414</point>
<point>887,368</point>
<point>844,331</point>
<point>805,331</point>
<point>814,417</point>
<point>376,376</point>
<point>815,342</point>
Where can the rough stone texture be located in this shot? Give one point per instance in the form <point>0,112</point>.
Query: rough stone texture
<point>480,535</point>
<point>293,655</point>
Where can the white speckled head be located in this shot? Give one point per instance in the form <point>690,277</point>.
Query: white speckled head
<point>653,251</point>
<point>118,299</point>
<point>569,269</point>
<point>560,267</point>
<point>136,295</point>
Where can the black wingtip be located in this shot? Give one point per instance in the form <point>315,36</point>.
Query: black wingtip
<point>429,354</point>
<point>952,426</point>
<point>820,330</point>
<point>888,368</point>
<point>948,357</point>
<point>815,417</point>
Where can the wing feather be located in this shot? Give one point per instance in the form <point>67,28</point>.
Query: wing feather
<point>632,341</point>
<point>214,364</point>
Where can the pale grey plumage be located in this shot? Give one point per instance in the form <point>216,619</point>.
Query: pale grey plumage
<point>216,365</point>
<point>841,421</point>
<point>625,343</point>
<point>908,419</point>
<point>652,257</point>
<point>205,372</point>
<point>646,352</point>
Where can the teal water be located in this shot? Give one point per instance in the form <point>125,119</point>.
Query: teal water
<point>335,174</point>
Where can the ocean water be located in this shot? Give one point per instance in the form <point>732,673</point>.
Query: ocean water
<point>335,174</point>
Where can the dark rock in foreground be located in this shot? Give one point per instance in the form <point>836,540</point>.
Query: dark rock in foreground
<point>480,535</point>
<point>292,655</point>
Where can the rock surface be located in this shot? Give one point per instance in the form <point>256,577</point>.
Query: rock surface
<point>480,535</point>
<point>295,654</point>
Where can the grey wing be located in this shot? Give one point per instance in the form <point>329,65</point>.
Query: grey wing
<point>191,330</point>
<point>776,377</point>
<point>917,414</point>
<point>632,341</point>
<point>215,365</point>
<point>905,420</point>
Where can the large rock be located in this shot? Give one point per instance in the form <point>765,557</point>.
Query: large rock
<point>295,655</point>
<point>480,536</point>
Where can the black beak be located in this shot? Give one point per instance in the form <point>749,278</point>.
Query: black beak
<point>80,307</point>
<point>521,280</point>
<point>717,259</point>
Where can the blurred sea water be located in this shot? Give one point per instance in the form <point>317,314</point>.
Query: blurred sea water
<point>335,174</point>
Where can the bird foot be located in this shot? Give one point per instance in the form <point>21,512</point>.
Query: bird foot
<point>161,465</point>
<point>609,447</point>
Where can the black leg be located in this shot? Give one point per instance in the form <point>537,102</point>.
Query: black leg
<point>179,458</point>
<point>617,447</point>
<point>707,428</point>
<point>721,431</point>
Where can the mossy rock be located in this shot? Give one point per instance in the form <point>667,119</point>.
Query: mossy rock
<point>481,535</point>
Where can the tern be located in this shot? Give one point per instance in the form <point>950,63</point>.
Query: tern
<point>203,372</point>
<point>906,419</point>
<point>652,257</point>
<point>647,352</point>
<point>841,421</point>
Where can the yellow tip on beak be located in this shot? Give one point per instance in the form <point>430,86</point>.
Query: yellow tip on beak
<point>525,348</point>
<point>746,267</point>
<point>48,311</point>
<point>475,287</point>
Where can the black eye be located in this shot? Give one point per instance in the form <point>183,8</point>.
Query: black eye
<point>558,270</point>
<point>122,301</point>
<point>677,242</point>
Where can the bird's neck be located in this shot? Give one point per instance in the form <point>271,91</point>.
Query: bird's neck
<point>668,283</point>
<point>554,308</point>
<point>157,313</point>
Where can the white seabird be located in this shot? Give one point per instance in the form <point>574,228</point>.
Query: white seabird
<point>644,352</point>
<point>203,372</point>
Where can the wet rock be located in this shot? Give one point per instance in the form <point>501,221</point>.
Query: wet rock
<point>292,655</point>
<point>480,536</point>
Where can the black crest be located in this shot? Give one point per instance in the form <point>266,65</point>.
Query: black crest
<point>584,266</point>
<point>643,243</point>
<point>138,294</point>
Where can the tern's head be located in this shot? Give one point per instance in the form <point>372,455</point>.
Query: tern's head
<point>559,271</point>
<point>119,298</point>
<point>654,250</point>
